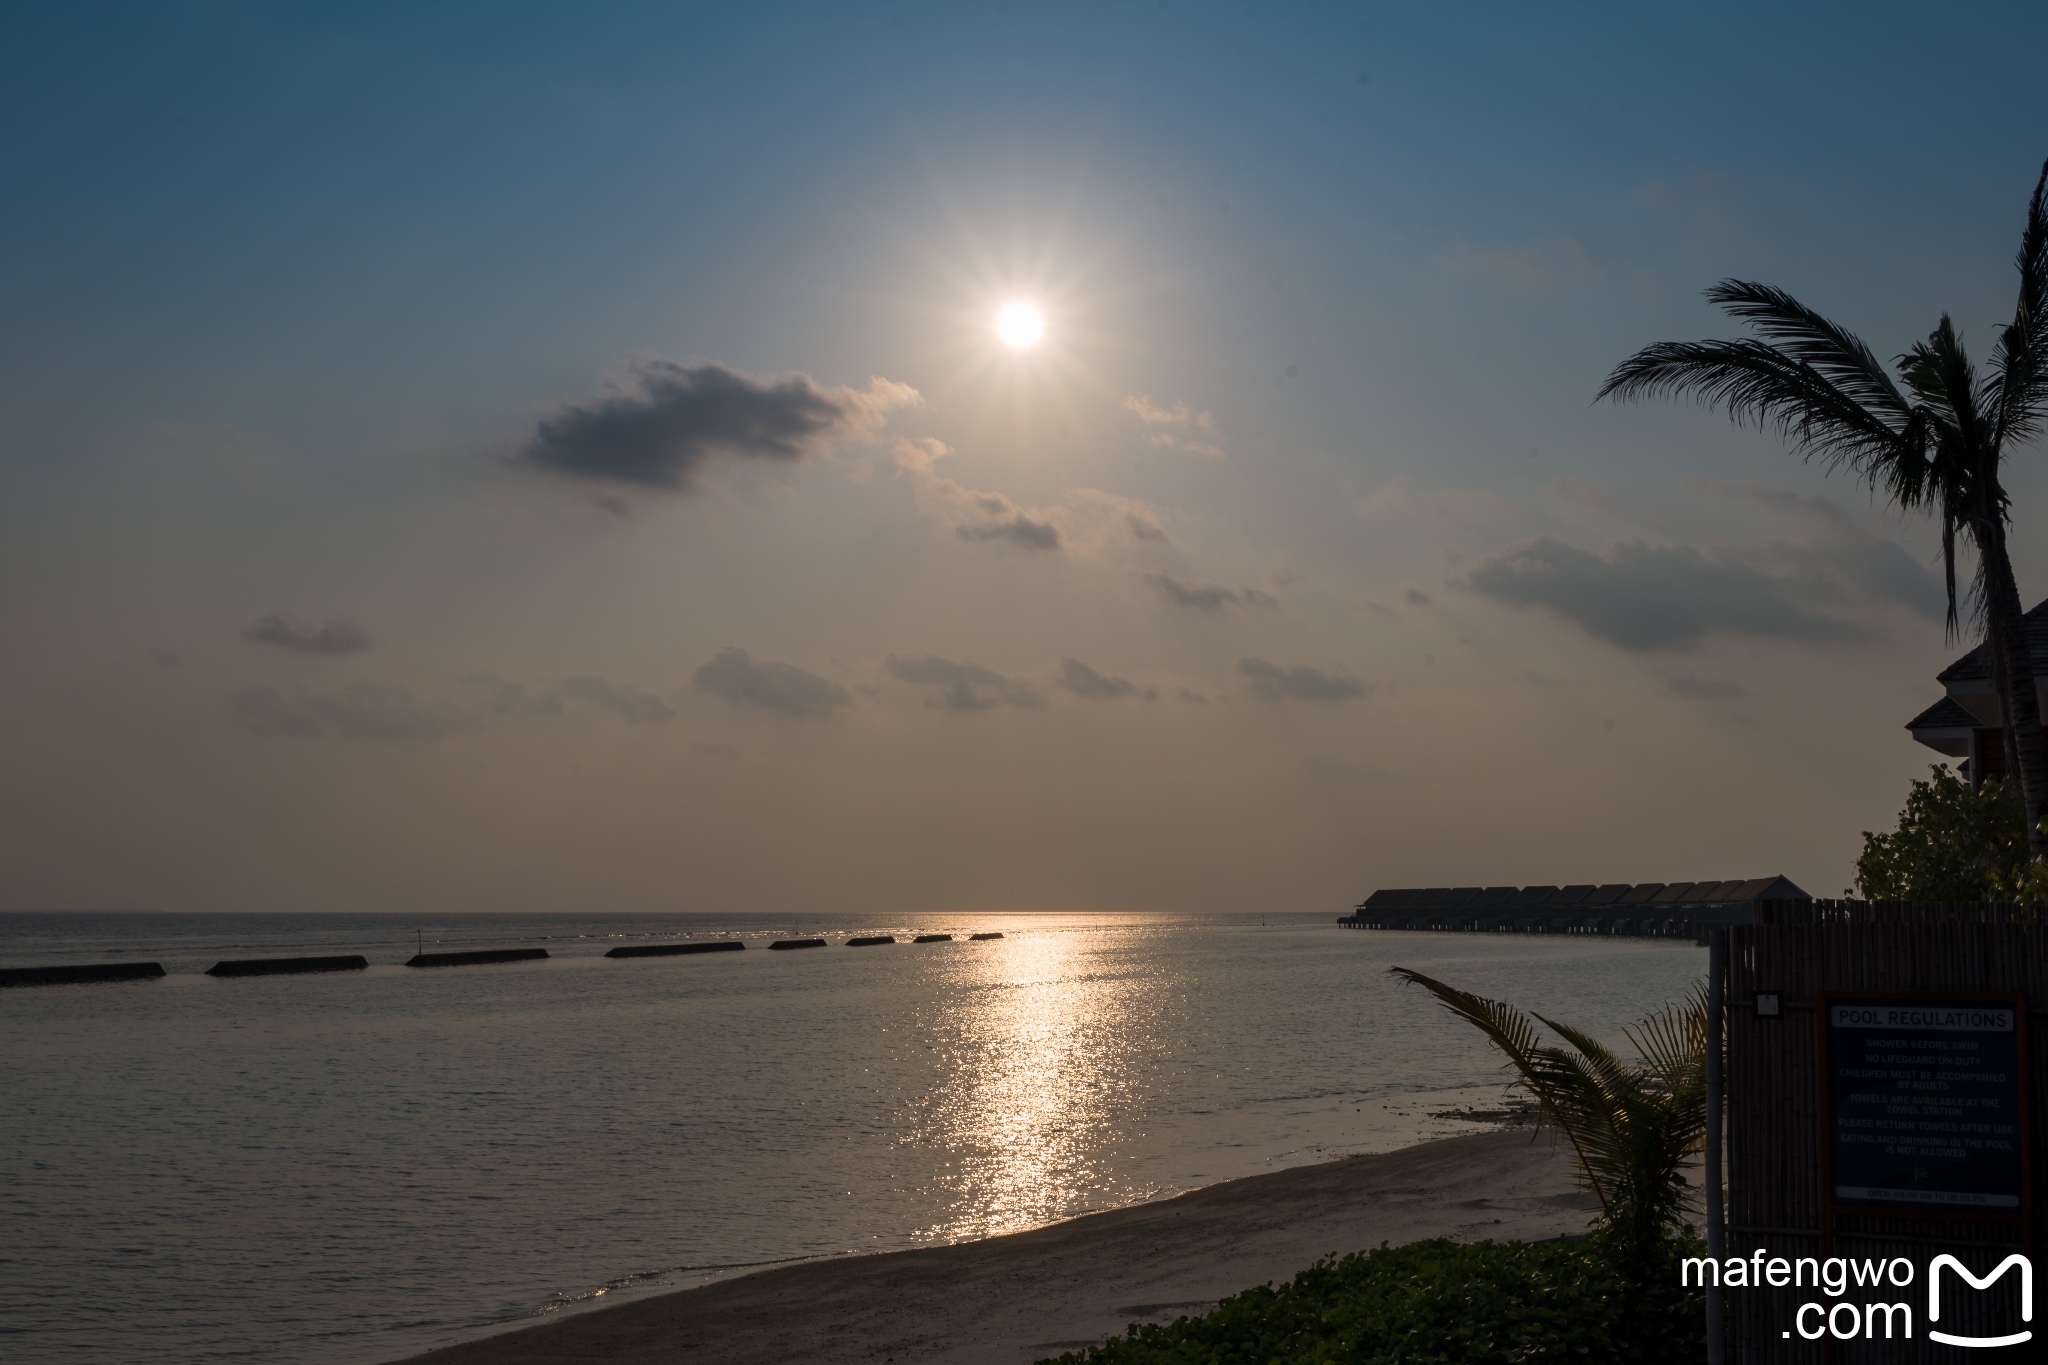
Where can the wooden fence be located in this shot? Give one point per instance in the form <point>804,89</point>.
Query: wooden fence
<point>1775,1139</point>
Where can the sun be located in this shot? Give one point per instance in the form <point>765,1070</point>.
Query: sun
<point>1020,325</point>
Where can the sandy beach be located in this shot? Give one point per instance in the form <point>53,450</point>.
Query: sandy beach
<point>1018,1298</point>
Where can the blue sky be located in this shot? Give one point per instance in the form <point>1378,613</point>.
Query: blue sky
<point>290,291</point>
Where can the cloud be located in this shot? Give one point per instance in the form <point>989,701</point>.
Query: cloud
<point>1652,597</point>
<point>339,636</point>
<point>1207,596</point>
<point>976,515</point>
<point>362,710</point>
<point>1032,535</point>
<point>1178,427</point>
<point>962,687</point>
<point>1190,697</point>
<point>782,688</point>
<point>1083,681</point>
<point>1836,553</point>
<point>1143,528</point>
<point>627,703</point>
<point>920,454</point>
<point>497,697</point>
<point>393,712</point>
<point>1271,682</point>
<point>658,427</point>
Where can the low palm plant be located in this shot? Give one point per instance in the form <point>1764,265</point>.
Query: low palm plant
<point>1634,1125</point>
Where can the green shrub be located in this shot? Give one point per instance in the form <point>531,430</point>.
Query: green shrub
<point>1953,844</point>
<point>1440,1303</point>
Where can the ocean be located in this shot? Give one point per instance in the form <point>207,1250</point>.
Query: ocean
<point>349,1168</point>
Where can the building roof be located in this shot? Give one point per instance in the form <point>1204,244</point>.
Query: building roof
<point>1976,665</point>
<point>1946,714</point>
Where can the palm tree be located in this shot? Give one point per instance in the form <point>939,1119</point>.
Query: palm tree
<point>1934,439</point>
<point>1633,1126</point>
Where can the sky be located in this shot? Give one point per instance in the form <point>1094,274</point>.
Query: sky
<point>515,457</point>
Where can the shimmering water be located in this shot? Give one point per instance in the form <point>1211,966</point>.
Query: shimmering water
<point>348,1168</point>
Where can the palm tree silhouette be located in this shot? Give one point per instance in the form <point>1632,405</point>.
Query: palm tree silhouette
<point>1932,440</point>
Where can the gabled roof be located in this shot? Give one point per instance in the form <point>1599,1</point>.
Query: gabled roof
<point>1946,714</point>
<point>1976,665</point>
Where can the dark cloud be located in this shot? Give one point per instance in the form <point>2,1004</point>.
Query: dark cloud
<point>1016,528</point>
<point>1299,683</point>
<point>1083,681</point>
<point>339,636</point>
<point>962,687</point>
<point>1207,596</point>
<point>1190,697</point>
<point>782,688</point>
<point>658,429</point>
<point>1653,597</point>
<point>362,710</point>
<point>1836,556</point>
<point>1417,597</point>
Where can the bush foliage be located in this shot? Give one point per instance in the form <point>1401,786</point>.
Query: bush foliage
<point>1953,844</point>
<point>1441,1303</point>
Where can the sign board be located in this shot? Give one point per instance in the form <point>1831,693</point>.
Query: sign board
<point>1926,1103</point>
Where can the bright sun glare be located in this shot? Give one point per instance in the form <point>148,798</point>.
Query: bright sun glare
<point>1020,325</point>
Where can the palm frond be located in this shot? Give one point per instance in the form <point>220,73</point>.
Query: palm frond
<point>1834,352</point>
<point>1558,1095</point>
<point>2019,363</point>
<point>1759,385</point>
<point>1940,376</point>
<point>1632,1126</point>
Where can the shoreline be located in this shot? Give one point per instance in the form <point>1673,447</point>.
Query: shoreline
<point>1019,1297</point>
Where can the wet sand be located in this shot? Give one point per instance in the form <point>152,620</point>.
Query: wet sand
<point>1016,1299</point>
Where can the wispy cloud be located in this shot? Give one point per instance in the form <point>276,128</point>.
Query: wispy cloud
<point>339,636</point>
<point>385,712</point>
<point>1272,682</point>
<point>1210,597</point>
<point>1014,526</point>
<point>962,687</point>
<point>1083,681</point>
<point>767,686</point>
<point>976,514</point>
<point>1177,426</point>
<point>392,712</point>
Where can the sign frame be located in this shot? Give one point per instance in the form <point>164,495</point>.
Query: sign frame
<point>2016,1001</point>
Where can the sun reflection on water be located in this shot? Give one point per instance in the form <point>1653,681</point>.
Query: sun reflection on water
<point>1040,1059</point>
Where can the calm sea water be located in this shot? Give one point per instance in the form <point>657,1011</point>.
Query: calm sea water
<point>348,1168</point>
